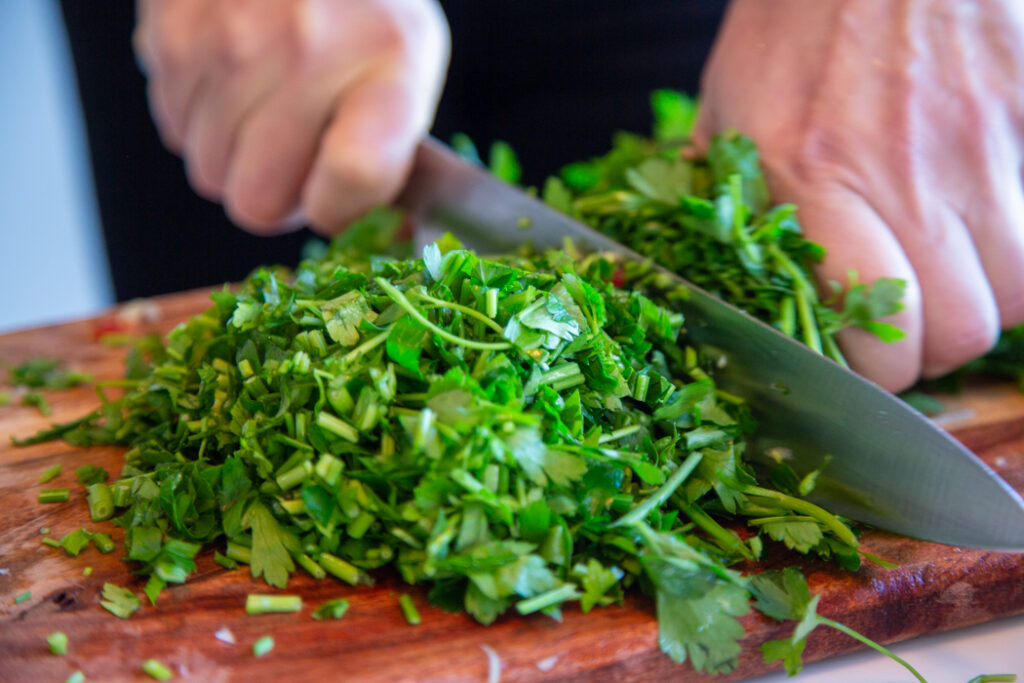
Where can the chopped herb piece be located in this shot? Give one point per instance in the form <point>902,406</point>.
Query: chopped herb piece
<point>47,373</point>
<point>54,495</point>
<point>91,474</point>
<point>120,602</point>
<point>224,561</point>
<point>267,604</point>
<point>87,571</point>
<point>332,609</point>
<point>76,677</point>
<point>263,646</point>
<point>49,474</point>
<point>412,615</point>
<point>156,670</point>
<point>52,542</point>
<point>103,542</point>
<point>101,503</point>
<point>76,541</point>
<point>34,398</point>
<point>22,597</point>
<point>58,643</point>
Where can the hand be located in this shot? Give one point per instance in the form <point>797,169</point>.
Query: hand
<point>897,129</point>
<point>289,107</point>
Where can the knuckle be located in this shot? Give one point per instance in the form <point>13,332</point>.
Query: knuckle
<point>966,343</point>
<point>169,47</point>
<point>237,35</point>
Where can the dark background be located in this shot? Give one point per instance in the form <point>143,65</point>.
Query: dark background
<point>555,79</point>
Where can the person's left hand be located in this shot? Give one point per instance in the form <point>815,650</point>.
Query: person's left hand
<point>897,127</point>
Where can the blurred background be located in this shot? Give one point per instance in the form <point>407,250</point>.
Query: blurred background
<point>52,261</point>
<point>96,211</point>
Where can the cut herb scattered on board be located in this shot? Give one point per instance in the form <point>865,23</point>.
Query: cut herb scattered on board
<point>517,433</point>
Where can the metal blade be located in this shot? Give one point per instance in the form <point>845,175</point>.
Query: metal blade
<point>890,467</point>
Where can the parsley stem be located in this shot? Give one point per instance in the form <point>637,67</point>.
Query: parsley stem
<point>492,302</point>
<point>339,568</point>
<point>101,502</point>
<point>239,552</point>
<point>54,495</point>
<point>404,303</point>
<point>825,621</point>
<point>412,615</point>
<point>256,603</point>
<point>263,646</point>
<point>310,565</point>
<point>619,433</point>
<point>549,599</point>
<point>728,540</point>
<point>368,345</point>
<point>466,310</point>
<point>103,543</point>
<point>812,337</point>
<point>337,426</point>
<point>49,473</point>
<point>157,670</point>
<point>640,512</point>
<point>58,643</point>
<point>841,531</point>
<point>832,350</point>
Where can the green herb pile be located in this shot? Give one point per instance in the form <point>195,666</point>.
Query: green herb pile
<point>710,219</point>
<point>516,433</point>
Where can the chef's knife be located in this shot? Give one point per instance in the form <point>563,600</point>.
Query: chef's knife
<point>889,467</point>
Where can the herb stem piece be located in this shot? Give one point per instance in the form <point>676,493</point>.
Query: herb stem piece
<point>412,615</point>
<point>825,621</point>
<point>400,299</point>
<point>263,646</point>
<point>58,643</point>
<point>49,473</point>
<point>54,495</point>
<point>157,670</point>
<point>101,502</point>
<point>267,604</point>
<point>640,512</point>
<point>841,531</point>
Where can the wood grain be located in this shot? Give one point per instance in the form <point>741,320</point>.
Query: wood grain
<point>936,587</point>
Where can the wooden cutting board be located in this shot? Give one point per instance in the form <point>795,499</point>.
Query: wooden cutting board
<point>936,587</point>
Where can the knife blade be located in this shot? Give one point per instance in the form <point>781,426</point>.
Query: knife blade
<point>889,466</point>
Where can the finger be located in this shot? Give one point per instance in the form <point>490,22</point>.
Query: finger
<point>365,153</point>
<point>214,119</point>
<point>997,229</point>
<point>960,315</point>
<point>856,238</point>
<point>272,155</point>
<point>170,41</point>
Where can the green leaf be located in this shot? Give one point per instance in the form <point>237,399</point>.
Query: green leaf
<point>270,558</point>
<point>120,602</point>
<point>674,114</point>
<point>797,534</point>
<point>703,629</point>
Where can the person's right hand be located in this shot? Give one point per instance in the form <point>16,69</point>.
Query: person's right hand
<point>289,107</point>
